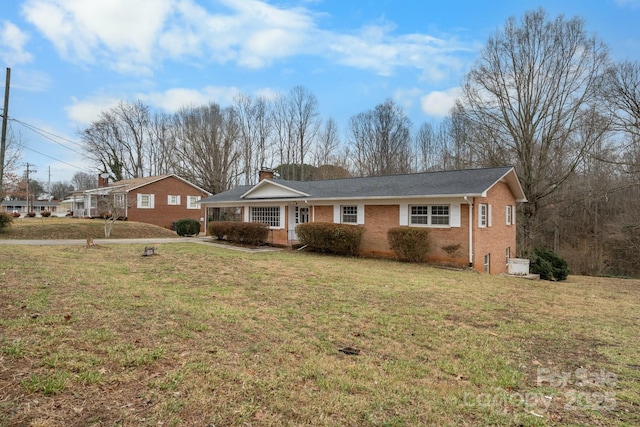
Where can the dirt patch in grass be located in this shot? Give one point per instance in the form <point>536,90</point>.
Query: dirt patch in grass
<point>200,335</point>
<point>74,228</point>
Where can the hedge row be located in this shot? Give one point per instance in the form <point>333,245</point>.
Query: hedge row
<point>409,243</point>
<point>250,233</point>
<point>341,239</point>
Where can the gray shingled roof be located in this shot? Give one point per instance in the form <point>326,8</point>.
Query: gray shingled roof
<point>448,183</point>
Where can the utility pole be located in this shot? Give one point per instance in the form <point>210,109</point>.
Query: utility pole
<point>5,118</point>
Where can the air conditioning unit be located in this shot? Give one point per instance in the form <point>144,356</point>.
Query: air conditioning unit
<point>518,266</point>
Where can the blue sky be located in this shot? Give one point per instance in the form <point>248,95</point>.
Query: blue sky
<point>72,59</point>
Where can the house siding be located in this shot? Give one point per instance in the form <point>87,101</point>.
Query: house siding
<point>163,214</point>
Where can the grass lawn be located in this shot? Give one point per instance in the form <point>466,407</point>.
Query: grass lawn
<point>78,228</point>
<point>203,336</point>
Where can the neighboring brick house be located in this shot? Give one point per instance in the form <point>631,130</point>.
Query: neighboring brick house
<point>470,213</point>
<point>159,200</point>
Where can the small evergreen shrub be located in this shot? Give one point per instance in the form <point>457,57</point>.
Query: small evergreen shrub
<point>45,214</point>
<point>340,239</point>
<point>250,233</point>
<point>548,264</point>
<point>187,227</point>
<point>5,220</point>
<point>31,214</point>
<point>409,243</point>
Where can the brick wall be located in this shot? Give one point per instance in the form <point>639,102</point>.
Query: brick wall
<point>164,214</point>
<point>494,240</point>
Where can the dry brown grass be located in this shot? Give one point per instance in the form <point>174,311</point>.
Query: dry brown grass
<point>200,336</point>
<point>53,228</point>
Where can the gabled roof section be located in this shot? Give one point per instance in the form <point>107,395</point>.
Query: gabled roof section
<point>270,189</point>
<point>127,185</point>
<point>458,183</point>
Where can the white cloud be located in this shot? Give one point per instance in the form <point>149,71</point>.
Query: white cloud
<point>84,112</point>
<point>113,31</point>
<point>12,44</point>
<point>631,3</point>
<point>406,97</point>
<point>251,33</point>
<point>172,100</point>
<point>438,103</point>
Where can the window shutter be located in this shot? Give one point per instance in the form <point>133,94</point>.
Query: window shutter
<point>454,215</point>
<point>139,200</point>
<point>178,200</point>
<point>337,214</point>
<point>282,216</point>
<point>489,216</point>
<point>404,214</point>
<point>360,214</point>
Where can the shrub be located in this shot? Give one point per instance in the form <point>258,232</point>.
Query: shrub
<point>31,214</point>
<point>16,214</point>
<point>409,243</point>
<point>250,233</point>
<point>548,264</point>
<point>46,214</point>
<point>5,220</point>
<point>187,227</point>
<point>340,239</point>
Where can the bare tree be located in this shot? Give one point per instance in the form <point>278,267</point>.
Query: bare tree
<point>533,81</point>
<point>12,156</point>
<point>255,129</point>
<point>284,133</point>
<point>327,143</point>
<point>84,181</point>
<point>207,152</point>
<point>303,110</point>
<point>381,140</point>
<point>124,141</point>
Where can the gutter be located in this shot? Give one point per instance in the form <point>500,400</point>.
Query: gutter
<point>470,231</point>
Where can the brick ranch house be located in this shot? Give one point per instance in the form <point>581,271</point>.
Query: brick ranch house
<point>470,213</point>
<point>159,200</point>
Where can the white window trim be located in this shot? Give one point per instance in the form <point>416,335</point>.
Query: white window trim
<point>484,220</point>
<point>195,199</point>
<point>452,215</point>
<point>151,201</point>
<point>342,208</point>
<point>177,200</point>
<point>281,218</point>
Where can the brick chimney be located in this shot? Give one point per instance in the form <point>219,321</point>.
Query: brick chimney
<point>103,180</point>
<point>265,174</point>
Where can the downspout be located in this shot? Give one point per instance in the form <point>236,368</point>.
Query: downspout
<point>470,231</point>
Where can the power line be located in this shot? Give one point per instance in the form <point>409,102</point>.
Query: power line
<point>45,134</point>
<point>58,160</point>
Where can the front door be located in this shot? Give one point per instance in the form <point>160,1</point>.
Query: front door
<point>301,217</point>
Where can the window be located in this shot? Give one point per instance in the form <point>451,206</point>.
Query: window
<point>439,215</point>
<point>487,259</point>
<point>350,214</point>
<point>508,255</point>
<point>483,215</point>
<point>269,215</point>
<point>145,201</point>
<point>173,200</point>
<point>192,202</point>
<point>429,215</point>
<point>509,214</point>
